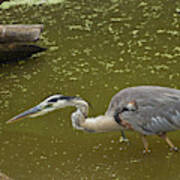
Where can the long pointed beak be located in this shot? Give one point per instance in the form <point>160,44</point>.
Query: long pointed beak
<point>24,114</point>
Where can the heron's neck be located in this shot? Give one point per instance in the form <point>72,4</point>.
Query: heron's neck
<point>101,123</point>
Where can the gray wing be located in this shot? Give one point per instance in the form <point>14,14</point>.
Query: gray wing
<point>157,111</point>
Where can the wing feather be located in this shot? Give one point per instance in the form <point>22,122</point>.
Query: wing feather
<point>158,108</point>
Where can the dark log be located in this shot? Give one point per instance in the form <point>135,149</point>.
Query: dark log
<point>20,33</point>
<point>9,52</point>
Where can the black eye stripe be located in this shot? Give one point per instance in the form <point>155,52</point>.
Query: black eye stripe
<point>68,98</point>
<point>53,100</point>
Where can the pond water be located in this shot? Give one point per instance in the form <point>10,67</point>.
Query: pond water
<point>95,49</point>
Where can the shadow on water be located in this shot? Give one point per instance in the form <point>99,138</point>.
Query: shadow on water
<point>19,52</point>
<point>95,49</point>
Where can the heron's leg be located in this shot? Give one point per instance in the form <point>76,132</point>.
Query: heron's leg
<point>169,142</point>
<point>146,145</point>
<point>123,137</point>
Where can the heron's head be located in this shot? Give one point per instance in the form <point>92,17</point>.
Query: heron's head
<point>50,104</point>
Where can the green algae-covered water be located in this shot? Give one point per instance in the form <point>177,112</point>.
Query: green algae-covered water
<point>95,49</point>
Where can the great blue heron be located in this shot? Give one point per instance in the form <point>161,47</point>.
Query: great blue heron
<point>146,109</point>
